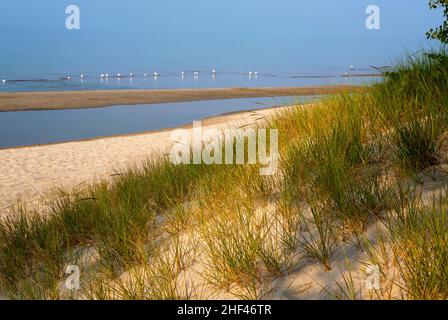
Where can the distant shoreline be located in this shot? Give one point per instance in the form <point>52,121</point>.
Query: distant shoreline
<point>58,100</point>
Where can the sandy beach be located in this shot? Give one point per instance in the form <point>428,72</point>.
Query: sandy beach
<point>21,101</point>
<point>30,173</point>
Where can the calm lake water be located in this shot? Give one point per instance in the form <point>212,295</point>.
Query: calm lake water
<point>289,42</point>
<point>175,80</point>
<point>26,128</point>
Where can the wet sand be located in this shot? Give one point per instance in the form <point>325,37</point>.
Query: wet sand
<point>22,101</point>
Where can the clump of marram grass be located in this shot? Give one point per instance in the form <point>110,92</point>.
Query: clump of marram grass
<point>335,164</point>
<point>420,246</point>
<point>411,104</point>
<point>320,236</point>
<point>31,256</point>
<point>232,245</point>
<point>158,278</point>
<point>244,249</point>
<point>416,143</point>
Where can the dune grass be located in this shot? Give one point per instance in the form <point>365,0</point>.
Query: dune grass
<point>343,161</point>
<point>420,240</point>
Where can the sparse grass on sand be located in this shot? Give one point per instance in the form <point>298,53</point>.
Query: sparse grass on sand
<point>349,163</point>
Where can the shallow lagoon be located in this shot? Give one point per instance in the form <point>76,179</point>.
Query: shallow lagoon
<point>26,128</point>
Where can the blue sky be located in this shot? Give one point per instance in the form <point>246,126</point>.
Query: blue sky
<point>229,34</point>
